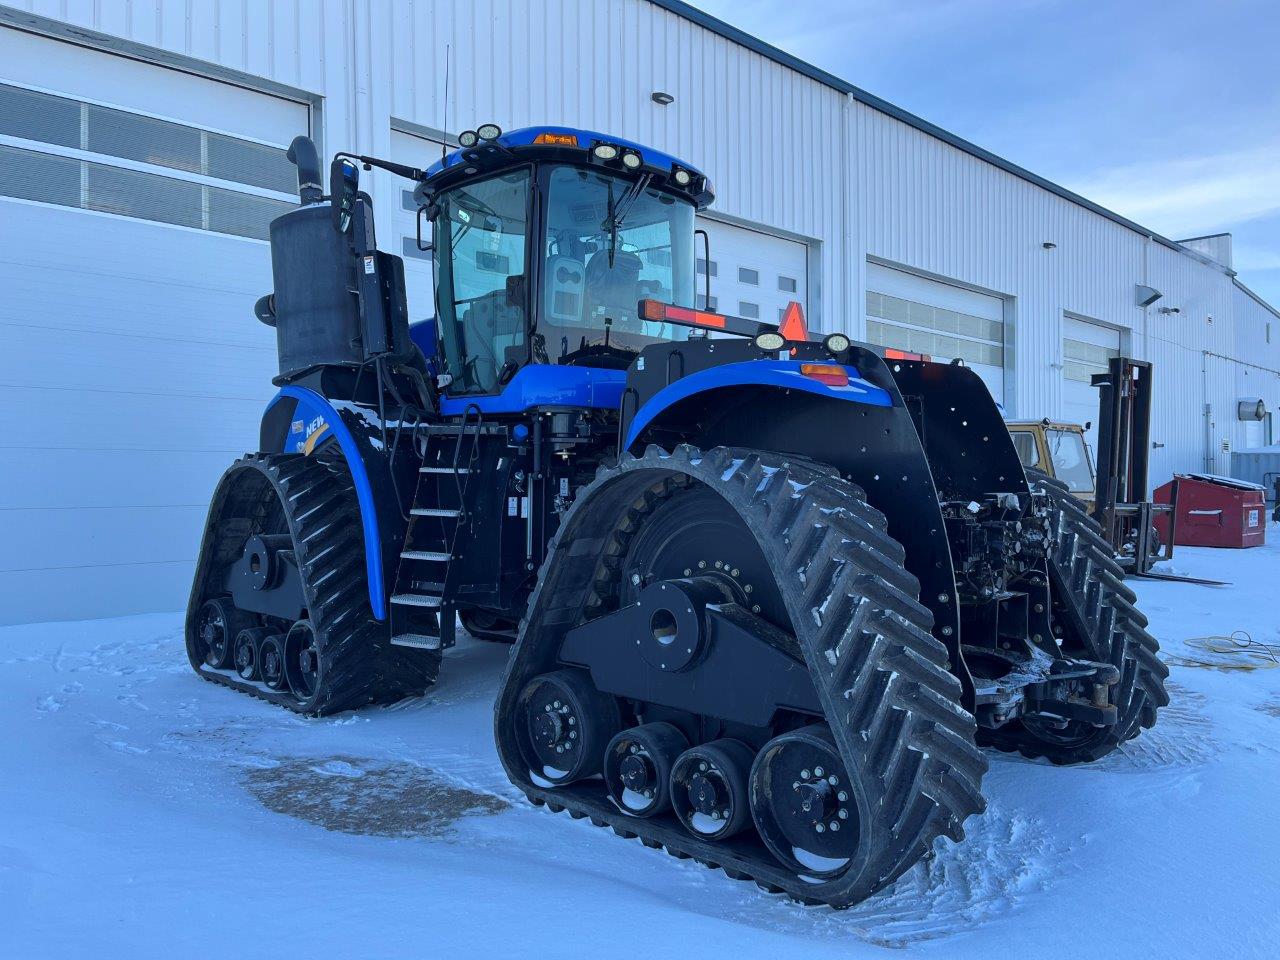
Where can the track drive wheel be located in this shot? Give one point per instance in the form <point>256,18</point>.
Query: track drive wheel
<point>1095,617</point>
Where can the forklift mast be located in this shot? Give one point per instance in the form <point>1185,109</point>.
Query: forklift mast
<point>1124,509</point>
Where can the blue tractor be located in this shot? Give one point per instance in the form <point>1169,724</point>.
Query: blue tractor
<point>769,594</point>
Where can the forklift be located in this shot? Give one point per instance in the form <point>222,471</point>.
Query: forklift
<point>1116,496</point>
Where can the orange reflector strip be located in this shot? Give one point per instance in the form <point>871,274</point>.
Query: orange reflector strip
<point>657,310</point>
<point>556,139</point>
<point>833,375</point>
<point>892,354</point>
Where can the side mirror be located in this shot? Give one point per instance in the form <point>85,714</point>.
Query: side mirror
<point>428,212</point>
<point>344,185</point>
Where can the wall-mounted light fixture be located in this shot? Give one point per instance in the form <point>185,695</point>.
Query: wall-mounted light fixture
<point>1049,245</point>
<point>1145,296</point>
<point>661,99</point>
<point>1170,310</point>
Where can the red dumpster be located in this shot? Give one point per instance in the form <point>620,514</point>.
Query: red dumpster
<point>1215,511</point>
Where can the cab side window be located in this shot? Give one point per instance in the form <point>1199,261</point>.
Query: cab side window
<point>1025,443</point>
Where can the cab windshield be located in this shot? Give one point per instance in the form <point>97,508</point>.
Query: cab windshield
<point>1071,463</point>
<point>609,245</point>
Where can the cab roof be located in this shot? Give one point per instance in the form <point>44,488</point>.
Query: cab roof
<point>1046,422</point>
<point>566,143</point>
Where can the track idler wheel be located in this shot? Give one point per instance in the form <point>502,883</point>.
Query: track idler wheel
<point>247,646</point>
<point>804,804</point>
<point>217,625</point>
<point>271,662</point>
<point>302,660</point>
<point>709,789</point>
<point>565,724</point>
<point>638,764</point>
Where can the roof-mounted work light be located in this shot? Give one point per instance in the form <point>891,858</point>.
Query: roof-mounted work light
<point>468,138</point>
<point>488,131</point>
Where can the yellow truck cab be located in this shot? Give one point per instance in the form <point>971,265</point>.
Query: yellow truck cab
<point>1059,450</point>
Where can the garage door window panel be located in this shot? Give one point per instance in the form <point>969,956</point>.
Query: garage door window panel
<point>40,176</point>
<point>142,195</point>
<point>161,194</point>
<point>38,116</point>
<point>1082,360</point>
<point>923,328</point>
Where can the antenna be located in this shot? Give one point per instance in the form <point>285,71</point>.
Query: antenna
<point>444,127</point>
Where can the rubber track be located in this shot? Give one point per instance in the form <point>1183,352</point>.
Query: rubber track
<point>892,704</point>
<point>1097,609</point>
<point>359,665</point>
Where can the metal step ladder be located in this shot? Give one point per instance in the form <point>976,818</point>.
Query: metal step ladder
<point>421,617</point>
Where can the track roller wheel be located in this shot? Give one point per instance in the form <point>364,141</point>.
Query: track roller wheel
<point>805,806</point>
<point>637,767</point>
<point>248,644</point>
<point>271,662</point>
<point>217,625</point>
<point>302,660</point>
<point>709,789</point>
<point>487,625</point>
<point>565,725</point>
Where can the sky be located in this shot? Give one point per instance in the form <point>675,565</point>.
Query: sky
<point>1165,111</point>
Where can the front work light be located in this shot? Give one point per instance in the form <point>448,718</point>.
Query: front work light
<point>468,138</point>
<point>631,160</point>
<point>604,151</point>
<point>488,131</point>
<point>836,343</point>
<point>683,177</point>
<point>770,341</point>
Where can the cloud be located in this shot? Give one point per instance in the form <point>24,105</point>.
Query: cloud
<point>1192,195</point>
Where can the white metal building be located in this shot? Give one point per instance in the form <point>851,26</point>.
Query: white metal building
<point>141,157</point>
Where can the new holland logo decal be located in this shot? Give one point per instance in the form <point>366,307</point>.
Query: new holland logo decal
<point>317,430</point>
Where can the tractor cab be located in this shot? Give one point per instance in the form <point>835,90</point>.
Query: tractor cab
<point>546,241</point>
<point>1058,449</point>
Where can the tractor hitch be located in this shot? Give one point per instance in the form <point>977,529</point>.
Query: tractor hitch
<point>1051,689</point>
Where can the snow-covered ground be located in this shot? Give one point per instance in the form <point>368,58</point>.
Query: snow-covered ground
<point>145,813</point>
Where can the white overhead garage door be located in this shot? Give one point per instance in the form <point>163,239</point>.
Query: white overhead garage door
<point>938,319</point>
<point>753,274</point>
<point>1086,350</point>
<point>134,204</point>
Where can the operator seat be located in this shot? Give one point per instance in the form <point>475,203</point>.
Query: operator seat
<point>615,289</point>
<point>493,323</point>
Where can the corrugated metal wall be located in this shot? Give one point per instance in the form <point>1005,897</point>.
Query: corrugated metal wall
<point>783,150</point>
